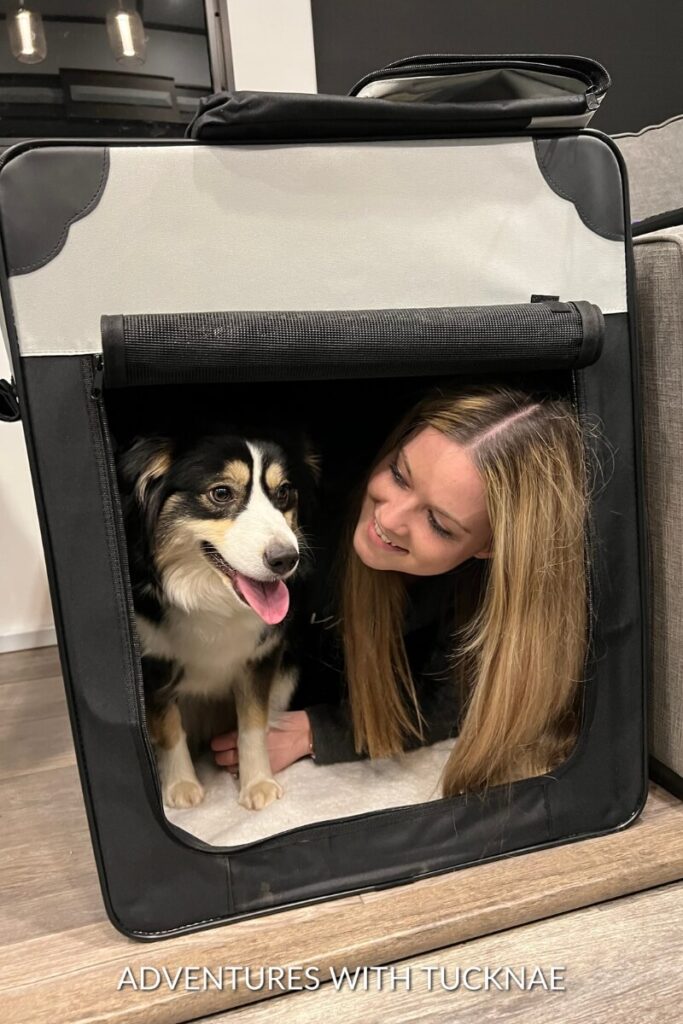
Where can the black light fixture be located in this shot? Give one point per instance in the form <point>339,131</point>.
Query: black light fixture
<point>126,34</point>
<point>26,36</point>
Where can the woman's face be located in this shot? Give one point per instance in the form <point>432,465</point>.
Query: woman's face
<point>424,510</point>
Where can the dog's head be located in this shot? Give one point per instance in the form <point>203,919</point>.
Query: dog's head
<point>220,518</point>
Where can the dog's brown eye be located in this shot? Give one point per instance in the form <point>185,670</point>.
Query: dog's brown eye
<point>282,495</point>
<point>221,494</point>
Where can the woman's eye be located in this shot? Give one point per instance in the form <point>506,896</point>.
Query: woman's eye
<point>221,494</point>
<point>402,482</point>
<point>437,527</point>
<point>396,473</point>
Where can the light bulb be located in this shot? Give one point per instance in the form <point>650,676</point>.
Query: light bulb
<point>126,35</point>
<point>27,36</point>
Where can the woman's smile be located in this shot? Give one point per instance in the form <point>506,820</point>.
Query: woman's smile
<point>379,537</point>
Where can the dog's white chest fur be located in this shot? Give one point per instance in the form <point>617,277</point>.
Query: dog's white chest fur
<point>211,648</point>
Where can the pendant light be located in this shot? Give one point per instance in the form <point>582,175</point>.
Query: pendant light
<point>26,36</point>
<point>126,35</point>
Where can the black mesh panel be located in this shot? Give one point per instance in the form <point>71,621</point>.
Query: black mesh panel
<point>204,348</point>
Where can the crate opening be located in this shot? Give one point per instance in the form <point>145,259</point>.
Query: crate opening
<point>346,423</point>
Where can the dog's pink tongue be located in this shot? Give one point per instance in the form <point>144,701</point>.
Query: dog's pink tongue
<point>269,600</point>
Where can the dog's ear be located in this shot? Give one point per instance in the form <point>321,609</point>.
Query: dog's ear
<point>143,465</point>
<point>313,460</point>
<point>308,485</point>
<point>141,470</point>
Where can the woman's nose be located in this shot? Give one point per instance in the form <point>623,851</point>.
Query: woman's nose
<point>395,514</point>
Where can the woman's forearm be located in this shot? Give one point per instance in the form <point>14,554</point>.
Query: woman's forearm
<point>332,733</point>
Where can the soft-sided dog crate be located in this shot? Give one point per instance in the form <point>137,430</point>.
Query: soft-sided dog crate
<point>453,219</point>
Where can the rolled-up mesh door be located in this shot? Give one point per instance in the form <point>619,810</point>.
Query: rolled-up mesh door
<point>239,346</point>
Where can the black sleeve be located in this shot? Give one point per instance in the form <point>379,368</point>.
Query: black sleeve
<point>323,694</point>
<point>437,694</point>
<point>332,732</point>
<point>440,707</point>
<point>430,654</point>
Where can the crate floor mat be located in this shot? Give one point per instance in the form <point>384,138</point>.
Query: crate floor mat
<point>313,793</point>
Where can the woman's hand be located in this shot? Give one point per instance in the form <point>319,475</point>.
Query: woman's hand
<point>287,741</point>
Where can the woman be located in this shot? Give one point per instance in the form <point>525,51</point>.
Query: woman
<point>462,595</point>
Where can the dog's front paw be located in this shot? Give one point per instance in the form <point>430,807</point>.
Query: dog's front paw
<point>184,793</point>
<point>257,795</point>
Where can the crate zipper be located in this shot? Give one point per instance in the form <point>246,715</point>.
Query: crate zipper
<point>103,454</point>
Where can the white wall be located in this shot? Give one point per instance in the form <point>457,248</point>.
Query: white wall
<point>25,611</point>
<point>272,50</point>
<point>272,45</point>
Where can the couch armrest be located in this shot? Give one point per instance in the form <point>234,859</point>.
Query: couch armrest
<point>659,283</point>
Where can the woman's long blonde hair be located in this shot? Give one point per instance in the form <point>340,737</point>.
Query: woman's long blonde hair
<point>520,631</point>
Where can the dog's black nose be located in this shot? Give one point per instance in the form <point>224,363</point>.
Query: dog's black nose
<point>281,559</point>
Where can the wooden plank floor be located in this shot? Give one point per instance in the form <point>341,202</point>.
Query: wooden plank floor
<point>61,961</point>
<point>622,960</point>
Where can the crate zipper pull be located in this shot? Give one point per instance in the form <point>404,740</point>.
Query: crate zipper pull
<point>9,402</point>
<point>97,379</point>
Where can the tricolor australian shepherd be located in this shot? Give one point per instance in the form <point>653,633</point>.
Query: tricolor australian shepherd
<point>216,544</point>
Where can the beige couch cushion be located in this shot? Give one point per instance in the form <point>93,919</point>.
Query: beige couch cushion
<point>659,276</point>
